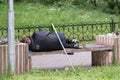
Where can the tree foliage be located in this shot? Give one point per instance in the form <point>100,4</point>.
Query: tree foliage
<point>113,6</point>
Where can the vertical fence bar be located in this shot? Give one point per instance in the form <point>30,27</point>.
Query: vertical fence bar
<point>51,29</point>
<point>92,32</point>
<point>73,31</point>
<point>112,25</point>
<point>77,34</point>
<point>82,32</point>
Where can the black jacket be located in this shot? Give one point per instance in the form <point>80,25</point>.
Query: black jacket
<point>45,41</point>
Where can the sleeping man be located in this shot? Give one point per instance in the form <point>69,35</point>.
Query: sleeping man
<point>45,41</point>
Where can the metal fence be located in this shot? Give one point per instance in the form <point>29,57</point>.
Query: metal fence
<point>82,31</point>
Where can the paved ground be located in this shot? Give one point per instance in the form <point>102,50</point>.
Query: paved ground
<point>60,61</point>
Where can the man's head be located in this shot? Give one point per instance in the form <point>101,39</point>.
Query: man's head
<point>26,40</point>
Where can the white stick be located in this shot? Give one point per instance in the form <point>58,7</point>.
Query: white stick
<point>63,48</point>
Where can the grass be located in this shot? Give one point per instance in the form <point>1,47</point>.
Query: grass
<point>93,73</point>
<point>39,14</point>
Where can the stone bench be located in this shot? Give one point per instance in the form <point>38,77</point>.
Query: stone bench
<point>91,55</point>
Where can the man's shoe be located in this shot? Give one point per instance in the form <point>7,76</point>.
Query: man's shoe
<point>75,41</point>
<point>78,46</point>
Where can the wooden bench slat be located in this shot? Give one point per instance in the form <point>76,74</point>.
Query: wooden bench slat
<point>69,51</point>
<point>98,47</point>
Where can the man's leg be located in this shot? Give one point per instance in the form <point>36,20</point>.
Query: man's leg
<point>68,41</point>
<point>72,43</point>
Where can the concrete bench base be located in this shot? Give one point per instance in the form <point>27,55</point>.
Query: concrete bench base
<point>60,61</point>
<point>101,54</point>
<point>101,58</point>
